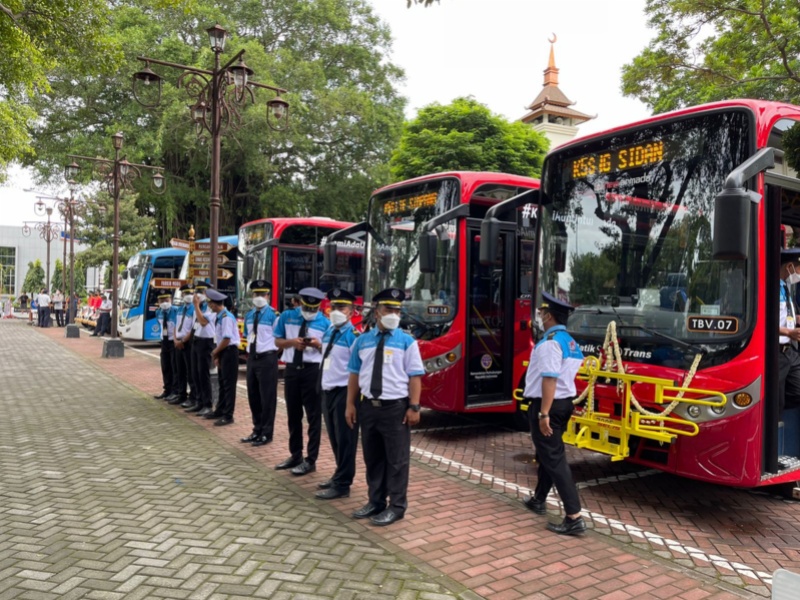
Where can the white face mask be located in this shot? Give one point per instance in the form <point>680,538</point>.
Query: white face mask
<point>793,278</point>
<point>390,321</point>
<point>200,297</point>
<point>187,298</point>
<point>338,318</point>
<point>307,315</point>
<point>259,301</point>
<point>165,305</point>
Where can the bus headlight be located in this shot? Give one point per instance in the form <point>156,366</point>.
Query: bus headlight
<point>718,410</point>
<point>742,399</point>
<point>693,411</point>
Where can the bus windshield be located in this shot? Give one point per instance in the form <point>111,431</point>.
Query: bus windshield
<point>138,269</point>
<point>249,236</point>
<point>627,230</point>
<point>396,218</point>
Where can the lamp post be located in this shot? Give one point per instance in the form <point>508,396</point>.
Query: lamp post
<point>218,96</point>
<point>48,231</point>
<point>116,174</point>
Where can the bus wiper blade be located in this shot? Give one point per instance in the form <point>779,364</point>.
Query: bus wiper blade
<point>427,327</point>
<point>653,332</point>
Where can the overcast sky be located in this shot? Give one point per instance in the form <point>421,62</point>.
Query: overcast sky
<point>495,51</point>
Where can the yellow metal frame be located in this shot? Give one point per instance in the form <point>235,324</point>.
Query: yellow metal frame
<point>611,435</point>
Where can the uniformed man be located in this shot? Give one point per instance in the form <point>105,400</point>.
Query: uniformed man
<point>183,348</point>
<point>165,315</point>
<point>334,376</point>
<point>386,369</point>
<point>788,357</point>
<point>550,390</point>
<point>299,334</point>
<point>226,357</point>
<point>262,364</point>
<point>204,320</point>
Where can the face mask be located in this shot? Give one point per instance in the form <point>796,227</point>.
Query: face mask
<point>390,321</point>
<point>200,297</point>
<point>164,305</point>
<point>259,302</point>
<point>187,298</point>
<point>307,315</point>
<point>338,318</point>
<point>793,278</point>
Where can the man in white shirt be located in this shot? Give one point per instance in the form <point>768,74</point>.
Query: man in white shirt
<point>43,300</point>
<point>58,307</point>
<point>103,325</point>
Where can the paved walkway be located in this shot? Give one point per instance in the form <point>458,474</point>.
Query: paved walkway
<point>111,487</point>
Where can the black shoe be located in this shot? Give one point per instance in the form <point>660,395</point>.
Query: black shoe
<point>367,510</point>
<point>537,506</point>
<point>211,415</point>
<point>250,438</point>
<point>206,411</point>
<point>176,400</point>
<point>332,494</point>
<point>387,517</point>
<point>289,463</point>
<point>172,398</point>
<point>161,396</point>
<point>261,441</point>
<point>194,408</point>
<point>324,485</point>
<point>304,468</point>
<point>568,526</point>
<point>222,421</point>
<point>187,404</point>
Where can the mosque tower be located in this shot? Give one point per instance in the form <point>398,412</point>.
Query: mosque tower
<point>550,113</point>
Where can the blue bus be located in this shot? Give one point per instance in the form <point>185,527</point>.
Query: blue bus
<point>139,299</point>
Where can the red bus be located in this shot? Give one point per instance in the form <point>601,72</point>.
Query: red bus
<point>288,253</point>
<point>666,236</point>
<point>472,322</point>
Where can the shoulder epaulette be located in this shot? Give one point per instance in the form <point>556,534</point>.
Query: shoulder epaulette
<point>551,336</point>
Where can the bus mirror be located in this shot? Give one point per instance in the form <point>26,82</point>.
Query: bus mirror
<point>427,252</point>
<point>490,235</point>
<point>249,267</point>
<point>125,274</point>
<point>732,208</point>
<point>329,258</point>
<point>560,254</point>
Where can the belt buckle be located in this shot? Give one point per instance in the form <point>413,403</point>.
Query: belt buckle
<point>375,403</point>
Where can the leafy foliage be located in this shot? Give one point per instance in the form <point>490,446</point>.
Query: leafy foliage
<point>426,3</point>
<point>34,278</point>
<point>707,50</point>
<point>466,136</point>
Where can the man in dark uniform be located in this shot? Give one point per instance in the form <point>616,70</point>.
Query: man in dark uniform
<point>183,348</point>
<point>262,364</point>
<point>203,344</point>
<point>226,357</point>
<point>550,390</point>
<point>165,315</point>
<point>333,378</point>
<point>386,369</point>
<point>299,334</point>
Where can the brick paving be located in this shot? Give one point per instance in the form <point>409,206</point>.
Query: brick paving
<point>465,527</point>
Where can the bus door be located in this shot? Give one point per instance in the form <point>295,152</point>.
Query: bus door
<point>490,316</point>
<point>296,272</point>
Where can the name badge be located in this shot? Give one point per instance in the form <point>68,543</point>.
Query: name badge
<point>387,357</point>
<point>790,322</point>
<point>326,364</point>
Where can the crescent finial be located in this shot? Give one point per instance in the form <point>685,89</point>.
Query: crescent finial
<point>553,39</point>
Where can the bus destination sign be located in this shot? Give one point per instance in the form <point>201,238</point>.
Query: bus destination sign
<point>619,159</point>
<point>400,206</point>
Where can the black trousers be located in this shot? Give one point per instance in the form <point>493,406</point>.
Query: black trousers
<point>183,362</point>
<point>344,440</point>
<point>103,325</point>
<point>168,366</point>
<point>386,444</point>
<point>228,374</point>
<point>551,456</point>
<point>59,317</point>
<point>300,385</point>
<point>262,391</point>
<point>788,377</point>
<point>201,368</point>
<point>44,316</point>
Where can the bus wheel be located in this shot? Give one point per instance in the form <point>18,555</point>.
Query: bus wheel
<point>521,422</point>
<point>788,491</point>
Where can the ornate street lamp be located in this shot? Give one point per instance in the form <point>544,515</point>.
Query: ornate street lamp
<point>219,97</point>
<point>117,174</point>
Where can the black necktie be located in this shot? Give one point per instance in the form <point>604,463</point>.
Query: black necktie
<point>255,331</point>
<point>789,309</point>
<point>164,330</point>
<point>376,384</point>
<point>297,361</point>
<point>183,317</point>
<point>328,349</point>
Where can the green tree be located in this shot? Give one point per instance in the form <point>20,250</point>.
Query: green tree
<point>34,278</point>
<point>345,117</point>
<point>706,50</point>
<point>466,136</point>
<point>57,278</point>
